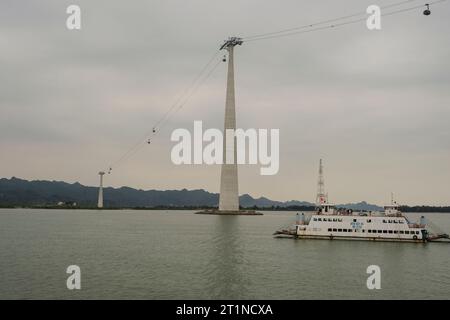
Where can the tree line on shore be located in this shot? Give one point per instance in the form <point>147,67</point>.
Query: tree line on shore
<point>421,209</point>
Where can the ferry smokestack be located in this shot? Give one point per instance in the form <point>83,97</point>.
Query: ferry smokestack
<point>300,219</point>
<point>423,221</point>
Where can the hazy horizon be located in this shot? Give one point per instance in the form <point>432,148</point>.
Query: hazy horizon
<point>374,105</point>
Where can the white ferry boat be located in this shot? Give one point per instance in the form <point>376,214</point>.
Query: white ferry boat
<point>331,223</point>
<point>328,222</point>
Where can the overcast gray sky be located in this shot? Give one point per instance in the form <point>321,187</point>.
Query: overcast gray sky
<point>375,105</point>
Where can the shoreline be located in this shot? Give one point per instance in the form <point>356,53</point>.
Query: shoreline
<point>425,209</point>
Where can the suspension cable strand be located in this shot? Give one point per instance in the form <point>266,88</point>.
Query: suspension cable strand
<point>154,128</point>
<point>324,21</point>
<point>299,30</point>
<point>186,100</point>
<point>182,99</point>
<point>179,107</point>
<point>189,88</point>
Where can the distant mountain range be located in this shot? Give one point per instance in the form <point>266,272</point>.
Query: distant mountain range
<point>19,192</point>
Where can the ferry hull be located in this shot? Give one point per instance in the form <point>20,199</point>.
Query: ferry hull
<point>285,233</point>
<point>358,238</point>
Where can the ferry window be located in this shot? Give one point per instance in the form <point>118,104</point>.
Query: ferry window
<point>363,230</point>
<point>339,230</point>
<point>315,219</point>
<point>384,231</point>
<point>369,231</point>
<point>395,221</point>
<point>401,232</point>
<point>406,232</point>
<point>334,230</point>
<point>395,231</point>
<point>329,229</point>
<point>384,221</point>
<point>354,220</point>
<point>417,232</point>
<point>390,231</point>
<point>368,221</point>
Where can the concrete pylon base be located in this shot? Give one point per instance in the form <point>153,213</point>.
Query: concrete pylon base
<point>230,213</point>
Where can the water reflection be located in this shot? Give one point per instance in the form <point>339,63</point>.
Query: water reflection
<point>226,262</point>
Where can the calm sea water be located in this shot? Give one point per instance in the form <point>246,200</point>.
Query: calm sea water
<point>126,254</point>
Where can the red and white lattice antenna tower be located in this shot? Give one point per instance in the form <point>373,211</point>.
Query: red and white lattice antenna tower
<point>321,195</point>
